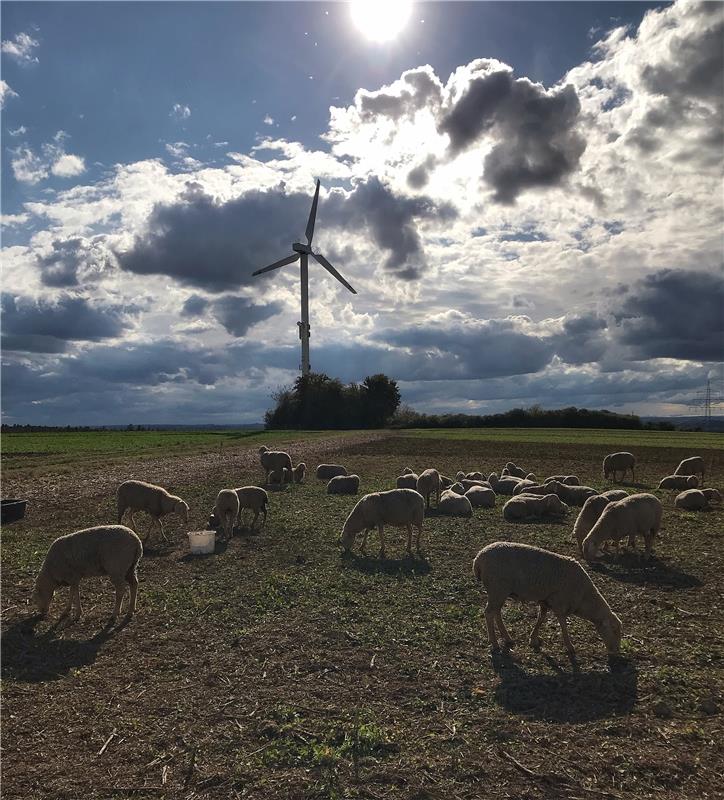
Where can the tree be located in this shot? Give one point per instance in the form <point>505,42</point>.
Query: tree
<point>380,399</point>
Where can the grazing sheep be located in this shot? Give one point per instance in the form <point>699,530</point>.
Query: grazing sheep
<point>273,460</point>
<point>226,510</point>
<point>401,508</point>
<point>679,482</point>
<point>407,481</point>
<point>635,514</point>
<point>589,515</point>
<point>511,469</point>
<point>155,501</point>
<point>530,507</point>
<point>619,462</point>
<point>299,472</point>
<point>445,482</point>
<point>326,472</point>
<point>691,466</point>
<point>480,497</point>
<point>254,498</point>
<point>454,505</point>
<point>112,550</point>
<point>502,485</point>
<point>427,483</point>
<point>697,499</point>
<point>569,480</point>
<point>343,484</point>
<point>555,582</point>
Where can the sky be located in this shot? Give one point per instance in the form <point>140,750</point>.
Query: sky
<point>526,197</point>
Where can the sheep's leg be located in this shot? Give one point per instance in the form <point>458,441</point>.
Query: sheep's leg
<point>256,517</point>
<point>133,583</point>
<point>417,541</point>
<point>381,529</point>
<point>534,640</point>
<point>75,594</point>
<point>564,632</point>
<point>263,511</point>
<point>120,587</point>
<point>69,605</point>
<point>409,538</point>
<point>507,638</point>
<point>648,542</point>
<point>160,527</point>
<point>490,623</point>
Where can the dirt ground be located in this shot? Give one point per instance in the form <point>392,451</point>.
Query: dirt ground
<point>277,668</point>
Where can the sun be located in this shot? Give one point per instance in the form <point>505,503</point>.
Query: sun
<point>379,20</point>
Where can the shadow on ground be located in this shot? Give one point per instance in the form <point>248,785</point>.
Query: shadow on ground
<point>408,566</point>
<point>630,567</point>
<point>567,696</point>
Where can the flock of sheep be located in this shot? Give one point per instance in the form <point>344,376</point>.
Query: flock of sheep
<point>557,583</point>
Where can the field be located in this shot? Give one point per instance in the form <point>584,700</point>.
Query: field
<point>277,668</point>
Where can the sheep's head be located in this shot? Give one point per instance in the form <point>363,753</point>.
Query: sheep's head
<point>607,466</point>
<point>692,482</point>
<point>505,472</point>
<point>611,631</point>
<point>591,548</point>
<point>554,505</point>
<point>263,449</point>
<point>531,477</point>
<point>712,495</point>
<point>408,471</point>
<point>43,592</point>
<point>458,488</point>
<point>181,507</point>
<point>493,479</point>
<point>459,475</point>
<point>354,524</point>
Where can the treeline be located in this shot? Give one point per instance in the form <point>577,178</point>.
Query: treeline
<point>534,417</point>
<point>318,402</point>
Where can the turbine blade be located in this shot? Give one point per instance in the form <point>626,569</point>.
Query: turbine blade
<point>312,216</point>
<point>281,263</point>
<point>323,261</point>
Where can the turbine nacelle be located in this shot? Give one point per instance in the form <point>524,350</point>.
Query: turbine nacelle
<point>298,247</point>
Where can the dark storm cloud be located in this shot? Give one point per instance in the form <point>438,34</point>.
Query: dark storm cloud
<point>583,340</point>
<point>420,88</point>
<point>44,326</point>
<point>674,314</point>
<point>238,314</point>
<point>194,306</point>
<point>536,145</point>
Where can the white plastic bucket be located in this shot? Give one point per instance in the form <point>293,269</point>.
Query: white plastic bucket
<point>202,542</point>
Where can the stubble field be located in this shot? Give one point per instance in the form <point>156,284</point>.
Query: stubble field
<point>278,668</point>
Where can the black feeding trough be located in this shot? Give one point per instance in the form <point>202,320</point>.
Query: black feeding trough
<point>12,510</point>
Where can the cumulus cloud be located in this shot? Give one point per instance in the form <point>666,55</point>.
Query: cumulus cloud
<point>67,166</point>
<point>20,48</point>
<point>30,167</point>
<point>67,261</point>
<point>180,112</point>
<point>6,92</point>
<point>238,314</point>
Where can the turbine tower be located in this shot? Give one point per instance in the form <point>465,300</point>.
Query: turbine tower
<point>302,253</point>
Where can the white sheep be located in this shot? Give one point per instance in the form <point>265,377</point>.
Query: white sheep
<point>274,461</point>
<point>557,583</point>
<point>327,471</point>
<point>112,550</point>
<point>511,469</point>
<point>299,472</point>
<point>254,498</point>
<point>427,483</point>
<point>531,507</point>
<point>523,485</point>
<point>569,480</point>
<point>456,488</point>
<point>691,466</point>
<point>619,462</point>
<point>343,484</point>
<point>226,510</point>
<point>276,477</point>
<point>454,505</point>
<point>679,482</point>
<point>459,475</point>
<point>573,495</point>
<point>637,514</point>
<point>408,480</point>
<point>407,471</point>
<point>474,476</point>
<point>468,484</point>
<point>154,500</point>
<point>590,513</point>
<point>503,485</point>
<point>445,482</point>
<point>697,499</point>
<point>480,497</point>
<point>400,508</point>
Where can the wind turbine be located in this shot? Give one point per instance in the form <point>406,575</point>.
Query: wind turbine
<point>302,252</point>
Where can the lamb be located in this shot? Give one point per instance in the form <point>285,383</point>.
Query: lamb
<point>679,482</point>
<point>454,505</point>
<point>516,472</point>
<point>343,484</point>
<point>530,507</point>
<point>299,472</point>
<point>569,480</point>
<point>697,499</point>
<point>273,460</point>
<point>555,582</point>
<point>635,514</point>
<point>401,508</point>
<point>619,462</point>
<point>254,498</point>
<point>503,485</point>
<point>140,496</point>
<point>226,510</point>
<point>407,480</point>
<point>427,483</point>
<point>590,513</point>
<point>691,466</point>
<point>326,472</point>
<point>480,497</point>
<point>112,550</point>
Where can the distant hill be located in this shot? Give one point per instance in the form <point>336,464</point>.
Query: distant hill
<point>690,423</point>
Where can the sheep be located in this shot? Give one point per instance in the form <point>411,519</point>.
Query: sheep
<point>569,480</point>
<point>516,472</point>
<point>112,550</point>
<point>619,462</point>
<point>635,514</point>
<point>468,484</point>
<point>299,472</point>
<point>574,495</point>
<point>531,477</point>
<point>327,471</point>
<point>273,460</point>
<point>459,475</point>
<point>276,477</point>
<point>679,482</point>
<point>401,508</point>
<point>407,481</point>
<point>697,499</point>
<point>445,482</point>
<point>407,471</point>
<point>523,486</point>
<point>226,510</point>
<point>427,483</point>
<point>454,505</point>
<point>475,476</point>
<point>555,582</point>
<point>615,494</point>
<point>529,507</point>
<point>503,485</point>
<point>456,488</point>
<point>140,496</point>
<point>254,498</point>
<point>691,466</point>
<point>480,497</point>
<point>343,484</point>
<point>589,515</point>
